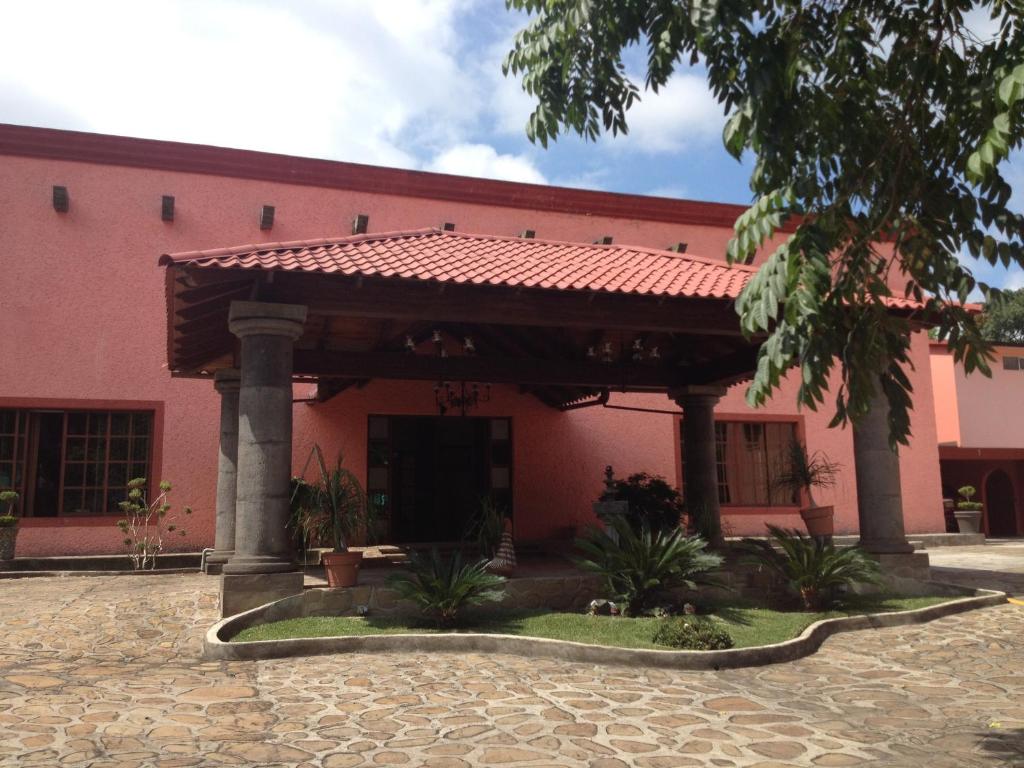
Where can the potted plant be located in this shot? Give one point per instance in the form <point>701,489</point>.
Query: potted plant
<point>801,474</point>
<point>337,509</point>
<point>8,525</point>
<point>968,512</point>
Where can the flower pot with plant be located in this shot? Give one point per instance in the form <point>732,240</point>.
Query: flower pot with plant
<point>8,524</point>
<point>968,512</point>
<point>801,474</point>
<point>332,508</point>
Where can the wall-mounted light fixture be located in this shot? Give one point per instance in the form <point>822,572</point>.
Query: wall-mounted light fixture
<point>61,199</point>
<point>267,217</point>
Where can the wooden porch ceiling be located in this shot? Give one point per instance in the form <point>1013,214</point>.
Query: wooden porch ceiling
<point>357,328</point>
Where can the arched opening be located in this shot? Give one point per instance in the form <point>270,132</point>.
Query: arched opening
<point>1000,505</point>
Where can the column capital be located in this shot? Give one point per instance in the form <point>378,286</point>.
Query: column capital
<point>252,318</point>
<point>227,380</point>
<point>679,394</point>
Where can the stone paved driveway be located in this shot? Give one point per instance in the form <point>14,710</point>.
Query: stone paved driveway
<point>104,671</point>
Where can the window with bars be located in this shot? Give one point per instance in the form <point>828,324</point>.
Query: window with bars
<point>749,455</point>
<point>73,462</point>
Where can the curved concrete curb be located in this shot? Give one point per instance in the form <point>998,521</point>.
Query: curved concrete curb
<point>216,647</point>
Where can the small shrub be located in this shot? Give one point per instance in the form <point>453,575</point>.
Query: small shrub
<point>146,524</point>
<point>640,568</point>
<point>693,633</point>
<point>814,570</point>
<point>442,588</point>
<point>652,501</point>
<point>967,494</point>
<point>7,501</point>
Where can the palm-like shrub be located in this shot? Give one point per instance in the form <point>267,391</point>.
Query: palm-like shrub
<point>640,567</point>
<point>813,569</point>
<point>443,587</point>
<point>332,507</point>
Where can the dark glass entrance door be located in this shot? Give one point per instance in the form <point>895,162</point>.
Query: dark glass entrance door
<point>1001,507</point>
<point>439,474</point>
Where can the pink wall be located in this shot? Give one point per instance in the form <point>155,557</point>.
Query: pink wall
<point>977,411</point>
<point>947,412</point>
<point>84,317</point>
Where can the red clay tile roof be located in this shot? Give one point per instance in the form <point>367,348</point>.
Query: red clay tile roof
<point>441,256</point>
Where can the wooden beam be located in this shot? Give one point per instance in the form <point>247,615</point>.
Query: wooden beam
<point>213,291</point>
<point>330,388</point>
<point>219,305</point>
<point>726,369</point>
<point>497,370</point>
<point>420,300</point>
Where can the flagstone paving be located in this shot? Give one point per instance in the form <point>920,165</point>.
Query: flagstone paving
<point>105,671</point>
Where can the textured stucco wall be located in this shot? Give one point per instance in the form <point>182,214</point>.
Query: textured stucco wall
<point>944,378</point>
<point>989,409</point>
<point>84,316</point>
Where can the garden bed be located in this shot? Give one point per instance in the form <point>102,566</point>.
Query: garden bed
<point>749,626</point>
<point>571,644</point>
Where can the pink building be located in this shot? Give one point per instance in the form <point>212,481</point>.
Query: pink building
<point>980,427</point>
<point>87,399</point>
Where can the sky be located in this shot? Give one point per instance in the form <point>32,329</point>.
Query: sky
<point>405,83</point>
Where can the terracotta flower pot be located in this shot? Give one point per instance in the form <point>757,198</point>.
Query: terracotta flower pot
<point>342,568</point>
<point>820,521</point>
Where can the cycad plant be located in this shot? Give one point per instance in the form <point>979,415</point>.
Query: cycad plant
<point>640,567</point>
<point>810,567</point>
<point>442,588</point>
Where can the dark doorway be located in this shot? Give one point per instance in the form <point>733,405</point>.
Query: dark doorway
<point>1000,505</point>
<point>439,476</point>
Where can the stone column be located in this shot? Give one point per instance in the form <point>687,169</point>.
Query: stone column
<point>261,568</point>
<point>879,496</point>
<point>700,478</point>
<point>226,382</point>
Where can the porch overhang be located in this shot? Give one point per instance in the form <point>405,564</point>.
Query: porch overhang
<point>563,321</point>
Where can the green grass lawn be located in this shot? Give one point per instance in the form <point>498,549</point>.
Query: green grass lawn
<point>748,625</point>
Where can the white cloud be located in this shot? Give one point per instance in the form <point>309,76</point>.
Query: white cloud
<point>681,114</point>
<point>482,160</point>
<point>980,22</point>
<point>677,191</point>
<point>1014,279</point>
<point>370,82</point>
